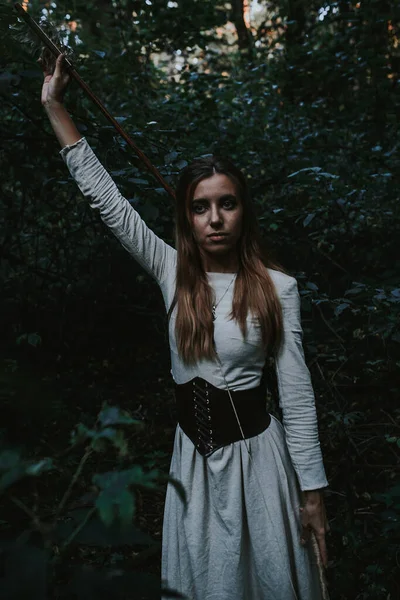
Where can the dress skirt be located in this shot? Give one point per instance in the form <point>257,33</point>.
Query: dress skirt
<point>239,536</point>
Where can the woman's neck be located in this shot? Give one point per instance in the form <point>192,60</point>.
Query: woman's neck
<point>220,264</point>
<point>216,267</point>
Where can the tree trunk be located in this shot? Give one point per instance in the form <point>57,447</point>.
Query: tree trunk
<point>245,42</point>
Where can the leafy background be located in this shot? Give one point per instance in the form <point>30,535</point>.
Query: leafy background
<point>304,96</point>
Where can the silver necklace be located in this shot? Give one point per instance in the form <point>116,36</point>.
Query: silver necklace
<point>214,306</point>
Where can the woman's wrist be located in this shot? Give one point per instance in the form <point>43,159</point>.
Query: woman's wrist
<point>313,496</point>
<point>53,106</point>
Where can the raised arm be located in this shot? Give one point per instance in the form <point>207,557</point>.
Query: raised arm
<point>96,184</point>
<point>151,252</point>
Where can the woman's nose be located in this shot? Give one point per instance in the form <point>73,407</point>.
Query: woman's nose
<point>215,215</point>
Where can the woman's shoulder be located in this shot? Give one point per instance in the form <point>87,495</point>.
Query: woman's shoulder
<point>281,280</point>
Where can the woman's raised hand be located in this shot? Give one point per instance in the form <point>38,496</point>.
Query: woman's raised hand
<point>53,91</point>
<point>55,84</point>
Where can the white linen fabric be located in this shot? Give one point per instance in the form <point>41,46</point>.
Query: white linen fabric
<point>238,538</point>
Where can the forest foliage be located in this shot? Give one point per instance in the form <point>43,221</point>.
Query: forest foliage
<point>305,98</point>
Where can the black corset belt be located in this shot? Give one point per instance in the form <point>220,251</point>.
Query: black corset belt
<point>206,415</point>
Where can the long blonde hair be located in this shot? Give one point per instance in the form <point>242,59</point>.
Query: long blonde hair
<point>254,289</point>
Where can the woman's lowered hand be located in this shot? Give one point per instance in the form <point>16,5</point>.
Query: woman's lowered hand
<point>313,519</point>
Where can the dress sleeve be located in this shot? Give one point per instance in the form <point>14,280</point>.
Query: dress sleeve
<point>296,396</point>
<point>152,253</point>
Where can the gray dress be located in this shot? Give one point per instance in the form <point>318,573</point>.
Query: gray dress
<point>238,537</point>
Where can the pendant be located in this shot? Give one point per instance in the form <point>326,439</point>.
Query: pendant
<point>214,316</point>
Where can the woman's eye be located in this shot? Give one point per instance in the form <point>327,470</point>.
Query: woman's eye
<point>198,208</point>
<point>229,204</point>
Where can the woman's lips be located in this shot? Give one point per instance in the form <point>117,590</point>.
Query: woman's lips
<point>216,237</point>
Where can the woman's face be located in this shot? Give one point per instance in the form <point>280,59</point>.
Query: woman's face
<point>216,212</point>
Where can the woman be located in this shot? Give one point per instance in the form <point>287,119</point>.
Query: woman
<point>253,485</point>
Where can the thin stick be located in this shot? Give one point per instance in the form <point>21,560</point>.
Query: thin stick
<point>73,481</point>
<point>72,71</point>
<point>320,566</point>
<point>79,528</point>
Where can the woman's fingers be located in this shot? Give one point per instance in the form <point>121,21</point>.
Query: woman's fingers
<point>305,535</point>
<point>320,537</point>
<point>59,70</point>
<point>59,65</point>
<point>305,528</point>
<point>319,530</point>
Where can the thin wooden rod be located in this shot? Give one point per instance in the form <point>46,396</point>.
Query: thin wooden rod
<point>72,71</point>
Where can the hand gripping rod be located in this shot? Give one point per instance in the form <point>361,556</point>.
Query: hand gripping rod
<point>73,73</point>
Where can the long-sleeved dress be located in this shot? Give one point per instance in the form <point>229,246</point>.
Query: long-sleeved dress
<point>238,538</point>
